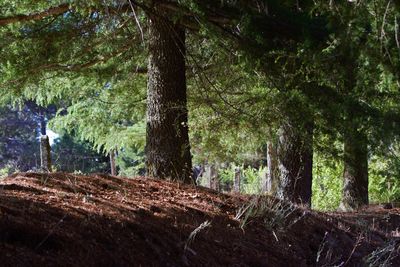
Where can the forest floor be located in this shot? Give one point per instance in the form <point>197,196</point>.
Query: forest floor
<point>72,220</point>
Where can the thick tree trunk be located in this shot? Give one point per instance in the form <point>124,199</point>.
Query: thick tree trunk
<point>355,175</point>
<point>295,164</point>
<point>45,157</point>
<point>167,143</point>
<point>355,158</point>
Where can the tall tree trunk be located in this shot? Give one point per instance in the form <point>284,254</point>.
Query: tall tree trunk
<point>355,175</point>
<point>113,166</point>
<point>271,181</point>
<point>167,139</point>
<point>295,164</point>
<point>355,158</point>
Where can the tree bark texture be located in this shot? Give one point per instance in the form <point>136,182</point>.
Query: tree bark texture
<point>167,139</point>
<point>355,175</point>
<point>355,157</point>
<point>295,164</point>
<point>45,157</point>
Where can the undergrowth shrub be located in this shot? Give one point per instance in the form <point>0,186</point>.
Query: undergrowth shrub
<point>250,178</point>
<point>384,184</point>
<point>327,184</point>
<point>7,170</point>
<point>275,214</point>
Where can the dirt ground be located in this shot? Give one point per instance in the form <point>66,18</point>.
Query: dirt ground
<point>71,220</point>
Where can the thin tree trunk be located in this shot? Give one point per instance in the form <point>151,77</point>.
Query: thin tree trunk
<point>211,175</point>
<point>167,139</point>
<point>236,181</point>
<point>270,184</point>
<point>214,178</point>
<point>45,157</point>
<point>295,164</point>
<point>207,175</point>
<point>355,175</point>
<point>112,163</point>
<point>43,123</point>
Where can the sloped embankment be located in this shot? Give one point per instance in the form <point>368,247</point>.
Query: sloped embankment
<point>71,220</point>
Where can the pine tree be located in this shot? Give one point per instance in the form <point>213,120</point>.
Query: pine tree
<point>167,143</point>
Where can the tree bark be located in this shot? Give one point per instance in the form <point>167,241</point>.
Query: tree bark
<point>355,174</point>
<point>236,181</point>
<point>45,157</point>
<point>43,123</point>
<point>113,166</point>
<point>35,16</point>
<point>214,179</point>
<point>295,164</point>
<point>355,157</point>
<point>271,178</point>
<point>167,139</point>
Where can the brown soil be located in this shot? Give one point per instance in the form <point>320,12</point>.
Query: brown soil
<point>72,220</point>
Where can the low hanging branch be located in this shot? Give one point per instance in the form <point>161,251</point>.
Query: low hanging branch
<point>53,11</point>
<point>188,18</point>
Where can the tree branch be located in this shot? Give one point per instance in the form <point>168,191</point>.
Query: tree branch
<point>35,16</point>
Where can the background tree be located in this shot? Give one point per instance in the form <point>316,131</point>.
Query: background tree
<point>19,147</point>
<point>71,154</point>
